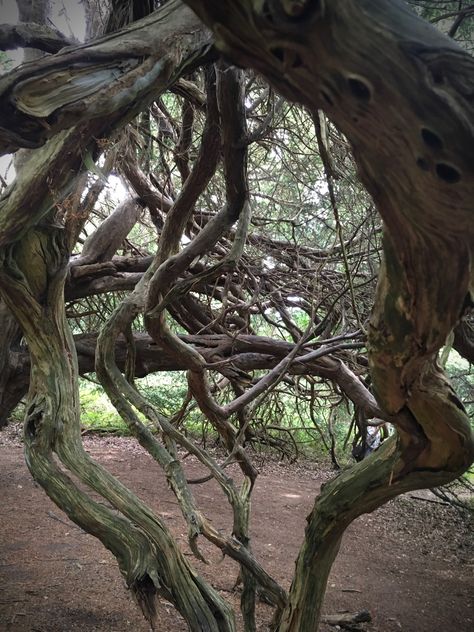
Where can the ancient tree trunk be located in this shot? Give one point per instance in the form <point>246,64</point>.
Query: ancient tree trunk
<point>131,68</point>
<point>400,92</point>
<point>32,285</point>
<point>34,261</point>
<point>13,384</point>
<point>168,40</point>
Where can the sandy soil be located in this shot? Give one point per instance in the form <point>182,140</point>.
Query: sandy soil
<point>410,563</point>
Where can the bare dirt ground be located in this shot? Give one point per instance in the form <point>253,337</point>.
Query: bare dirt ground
<point>410,563</point>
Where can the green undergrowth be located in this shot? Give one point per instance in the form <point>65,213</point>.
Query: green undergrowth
<point>97,412</point>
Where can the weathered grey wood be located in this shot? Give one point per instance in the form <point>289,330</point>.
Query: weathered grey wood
<point>97,79</point>
<point>104,242</point>
<point>32,36</point>
<point>156,53</point>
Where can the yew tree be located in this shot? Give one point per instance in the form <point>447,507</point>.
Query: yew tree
<point>401,95</point>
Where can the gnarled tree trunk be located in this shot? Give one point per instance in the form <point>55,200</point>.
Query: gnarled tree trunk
<point>402,94</point>
<point>13,382</point>
<point>32,285</point>
<point>399,91</point>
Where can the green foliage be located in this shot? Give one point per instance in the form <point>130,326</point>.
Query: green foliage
<point>97,413</point>
<point>6,63</point>
<point>462,377</point>
<point>166,390</point>
<point>452,17</point>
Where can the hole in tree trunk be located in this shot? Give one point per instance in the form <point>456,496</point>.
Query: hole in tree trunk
<point>144,590</point>
<point>360,89</point>
<point>32,423</point>
<point>267,13</point>
<point>293,14</point>
<point>297,62</point>
<point>431,139</point>
<point>300,9</point>
<point>437,76</point>
<point>447,173</point>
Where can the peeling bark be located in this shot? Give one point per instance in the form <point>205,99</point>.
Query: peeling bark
<point>32,285</point>
<point>99,79</point>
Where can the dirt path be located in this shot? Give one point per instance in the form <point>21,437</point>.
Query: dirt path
<point>410,564</point>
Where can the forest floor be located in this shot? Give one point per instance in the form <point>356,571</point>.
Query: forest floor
<point>410,564</point>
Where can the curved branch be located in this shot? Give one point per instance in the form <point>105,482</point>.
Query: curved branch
<point>128,82</point>
<point>32,35</point>
<point>100,78</point>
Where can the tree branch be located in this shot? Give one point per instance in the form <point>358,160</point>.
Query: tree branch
<point>32,35</point>
<point>100,78</point>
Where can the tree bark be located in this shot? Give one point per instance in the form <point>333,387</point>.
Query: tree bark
<point>13,378</point>
<point>399,91</point>
<point>31,35</point>
<point>32,285</point>
<point>102,79</point>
